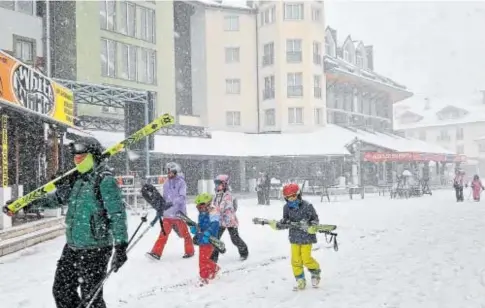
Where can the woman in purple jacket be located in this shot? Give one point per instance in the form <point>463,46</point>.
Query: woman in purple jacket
<point>175,194</point>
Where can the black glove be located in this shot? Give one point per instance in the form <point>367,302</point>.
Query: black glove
<point>119,257</point>
<point>5,208</point>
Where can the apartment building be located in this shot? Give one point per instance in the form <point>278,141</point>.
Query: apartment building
<point>273,66</point>
<point>120,43</point>
<point>258,68</point>
<point>22,31</point>
<point>457,125</point>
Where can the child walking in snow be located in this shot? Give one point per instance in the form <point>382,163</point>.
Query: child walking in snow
<point>298,211</point>
<point>227,207</point>
<point>477,187</point>
<point>208,225</point>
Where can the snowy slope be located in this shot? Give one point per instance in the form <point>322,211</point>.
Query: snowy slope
<point>427,252</point>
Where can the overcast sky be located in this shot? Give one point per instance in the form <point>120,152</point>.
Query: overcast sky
<point>435,48</point>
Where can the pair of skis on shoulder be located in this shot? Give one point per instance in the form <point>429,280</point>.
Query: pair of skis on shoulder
<point>163,121</point>
<point>217,243</point>
<point>321,228</point>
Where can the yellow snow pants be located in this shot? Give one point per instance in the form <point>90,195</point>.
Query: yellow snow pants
<point>301,255</point>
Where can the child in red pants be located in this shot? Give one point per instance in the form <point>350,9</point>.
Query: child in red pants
<point>208,225</point>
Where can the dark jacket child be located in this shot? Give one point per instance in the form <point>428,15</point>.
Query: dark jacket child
<point>301,212</point>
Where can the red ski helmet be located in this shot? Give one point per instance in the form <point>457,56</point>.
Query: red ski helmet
<point>291,190</point>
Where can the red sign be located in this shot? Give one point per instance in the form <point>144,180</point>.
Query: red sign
<point>376,157</point>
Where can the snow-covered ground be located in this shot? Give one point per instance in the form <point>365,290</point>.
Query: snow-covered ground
<point>427,252</point>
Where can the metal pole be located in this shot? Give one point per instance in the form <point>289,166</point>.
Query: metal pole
<point>147,139</point>
<point>48,37</point>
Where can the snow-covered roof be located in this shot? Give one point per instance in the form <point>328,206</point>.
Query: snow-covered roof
<point>330,140</point>
<point>474,111</point>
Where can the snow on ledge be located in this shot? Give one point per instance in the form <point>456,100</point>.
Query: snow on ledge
<point>328,141</point>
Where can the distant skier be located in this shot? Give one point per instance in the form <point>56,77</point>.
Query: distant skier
<point>175,194</point>
<point>476,187</point>
<point>95,224</point>
<point>208,225</point>
<point>227,207</point>
<point>297,211</point>
<point>458,183</point>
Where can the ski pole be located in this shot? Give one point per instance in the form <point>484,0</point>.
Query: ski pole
<point>91,297</point>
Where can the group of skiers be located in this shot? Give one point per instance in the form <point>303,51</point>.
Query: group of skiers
<point>220,208</point>
<point>96,226</point>
<point>459,183</point>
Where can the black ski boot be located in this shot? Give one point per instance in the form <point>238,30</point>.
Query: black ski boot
<point>186,256</point>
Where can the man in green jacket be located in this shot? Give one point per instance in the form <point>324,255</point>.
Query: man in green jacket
<point>95,224</point>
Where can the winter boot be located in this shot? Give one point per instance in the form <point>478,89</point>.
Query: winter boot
<point>203,282</point>
<point>186,256</point>
<point>315,277</point>
<point>300,284</point>
<point>151,255</point>
<point>243,258</point>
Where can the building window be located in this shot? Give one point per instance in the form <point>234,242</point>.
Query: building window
<point>267,16</point>
<point>24,49</point>
<point>232,54</point>
<point>443,136</point>
<point>422,135</point>
<point>269,88</point>
<point>359,60</point>
<point>293,11</point>
<point>460,149</point>
<point>293,51</point>
<point>128,18</point>
<point>108,58</point>
<point>147,24</point>
<point>231,23</point>
<point>346,55</point>
<point>233,118</point>
<point>316,14</point>
<point>147,70</point>
<point>295,115</point>
<point>317,53</point>
<point>294,85</point>
<point>22,6</point>
<point>269,117</point>
<point>268,54</point>
<point>107,15</point>
<point>233,86</point>
<point>459,133</point>
<point>107,109</point>
<point>318,116</point>
<point>128,62</point>
<point>317,86</point>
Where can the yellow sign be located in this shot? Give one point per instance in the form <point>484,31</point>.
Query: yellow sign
<point>4,150</point>
<point>24,86</point>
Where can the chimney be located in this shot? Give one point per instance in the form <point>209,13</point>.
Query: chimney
<point>427,104</point>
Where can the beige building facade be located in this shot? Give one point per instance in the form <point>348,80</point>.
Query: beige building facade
<point>259,69</point>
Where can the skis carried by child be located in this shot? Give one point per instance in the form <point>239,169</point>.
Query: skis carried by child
<point>325,229</point>
<point>218,244</point>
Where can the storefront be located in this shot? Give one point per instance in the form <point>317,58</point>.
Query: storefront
<point>35,112</point>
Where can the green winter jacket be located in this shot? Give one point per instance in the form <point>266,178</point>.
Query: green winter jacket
<point>89,224</point>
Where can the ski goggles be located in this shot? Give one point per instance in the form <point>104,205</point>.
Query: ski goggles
<point>78,148</point>
<point>291,197</point>
<point>218,182</point>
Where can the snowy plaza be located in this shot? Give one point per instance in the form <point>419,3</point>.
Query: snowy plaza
<point>419,252</point>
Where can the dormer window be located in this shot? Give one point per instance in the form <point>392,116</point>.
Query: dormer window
<point>359,59</point>
<point>347,55</point>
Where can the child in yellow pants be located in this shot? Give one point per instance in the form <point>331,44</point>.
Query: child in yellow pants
<point>297,211</point>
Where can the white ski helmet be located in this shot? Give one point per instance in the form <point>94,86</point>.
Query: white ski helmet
<point>173,167</point>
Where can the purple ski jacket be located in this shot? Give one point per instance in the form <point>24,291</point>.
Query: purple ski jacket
<point>175,191</point>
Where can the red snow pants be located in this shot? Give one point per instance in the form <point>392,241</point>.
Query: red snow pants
<point>207,267</point>
<point>184,232</point>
